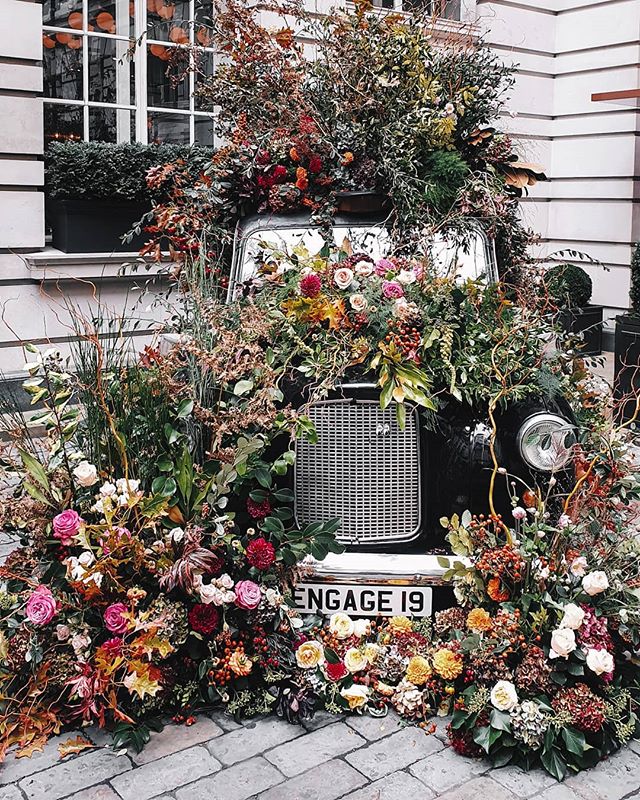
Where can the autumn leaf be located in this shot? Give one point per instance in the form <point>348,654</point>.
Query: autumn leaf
<point>72,746</point>
<point>35,745</point>
<point>140,681</point>
<point>150,642</point>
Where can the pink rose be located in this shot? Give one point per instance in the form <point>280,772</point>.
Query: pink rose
<point>248,595</point>
<point>392,289</point>
<point>383,265</point>
<point>114,618</point>
<point>41,606</point>
<point>66,525</point>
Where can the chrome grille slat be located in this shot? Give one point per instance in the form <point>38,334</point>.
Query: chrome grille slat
<point>370,481</point>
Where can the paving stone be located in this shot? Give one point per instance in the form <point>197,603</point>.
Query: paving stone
<point>320,719</point>
<point>446,769</point>
<point>174,738</point>
<point>394,752</point>
<point>612,779</point>
<point>634,744</point>
<point>521,783</point>
<point>482,787</point>
<point>74,774</point>
<point>397,786</point>
<point>95,793</point>
<point>235,783</point>
<point>165,775</point>
<point>441,724</point>
<point>225,721</point>
<point>250,741</point>
<point>314,748</point>
<point>13,769</point>
<point>324,782</point>
<point>373,728</point>
<point>558,792</point>
<point>11,793</point>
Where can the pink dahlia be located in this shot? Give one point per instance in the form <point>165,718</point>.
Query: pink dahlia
<point>310,285</point>
<point>392,290</point>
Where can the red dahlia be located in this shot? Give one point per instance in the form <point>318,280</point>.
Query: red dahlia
<point>315,164</point>
<point>258,510</point>
<point>335,672</point>
<point>279,174</point>
<point>260,553</point>
<point>263,158</point>
<point>204,618</point>
<point>310,285</point>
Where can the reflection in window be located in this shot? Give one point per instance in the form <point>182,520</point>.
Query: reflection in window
<point>110,73</point>
<point>168,21</point>
<point>112,16</point>
<point>168,128</point>
<point>204,131</point>
<point>62,57</point>
<point>58,12</point>
<point>63,123</point>
<point>167,79</point>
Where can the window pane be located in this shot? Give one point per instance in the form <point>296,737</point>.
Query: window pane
<point>111,77</point>
<point>167,76</point>
<point>111,16</point>
<point>62,123</point>
<point>204,131</point>
<point>169,128</point>
<point>204,21</point>
<point>62,13</point>
<point>102,125</point>
<point>203,62</point>
<point>168,21</point>
<point>62,61</point>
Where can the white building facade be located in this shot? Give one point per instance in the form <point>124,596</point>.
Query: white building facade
<point>64,73</point>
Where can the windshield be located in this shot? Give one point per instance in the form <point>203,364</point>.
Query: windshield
<point>453,260</point>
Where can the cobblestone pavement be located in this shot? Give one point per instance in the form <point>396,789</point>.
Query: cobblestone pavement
<point>359,758</point>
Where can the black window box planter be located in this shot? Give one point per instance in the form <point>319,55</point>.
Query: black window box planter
<point>626,380</point>
<point>94,226</point>
<point>588,321</point>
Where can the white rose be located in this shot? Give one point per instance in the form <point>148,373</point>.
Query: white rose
<point>504,696</point>
<point>177,535</point>
<point>80,642</point>
<point>96,577</point>
<point>228,597</point>
<point>343,277</point>
<point>226,581</point>
<point>406,277</point>
<point>595,582</point>
<point>563,642</point>
<point>364,269</point>
<point>125,486</point>
<point>341,625</point>
<point>355,660</point>
<point>211,594</point>
<point>362,627</point>
<point>579,566</point>
<point>107,489</point>
<point>358,302</point>
<point>85,474</point>
<point>274,598</point>
<point>86,558</point>
<point>600,661</point>
<point>573,616</point>
<point>355,695</point>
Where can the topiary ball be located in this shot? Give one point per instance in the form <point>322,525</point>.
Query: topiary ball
<point>569,285</point>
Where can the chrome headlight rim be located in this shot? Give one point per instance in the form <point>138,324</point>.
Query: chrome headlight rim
<point>535,420</point>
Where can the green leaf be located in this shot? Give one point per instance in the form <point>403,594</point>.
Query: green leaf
<point>574,740</point>
<point>481,736</point>
<point>35,493</point>
<point>34,468</point>
<point>242,387</point>
<point>185,408</point>
<point>500,720</point>
<point>553,762</point>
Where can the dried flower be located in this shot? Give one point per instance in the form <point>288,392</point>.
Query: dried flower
<point>447,664</point>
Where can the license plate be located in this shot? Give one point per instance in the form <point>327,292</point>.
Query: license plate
<point>363,600</point>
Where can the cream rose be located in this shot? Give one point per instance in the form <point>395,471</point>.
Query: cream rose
<point>355,695</point>
<point>371,652</point>
<point>600,661</point>
<point>358,302</point>
<point>573,617</point>
<point>406,277</point>
<point>362,627</point>
<point>563,642</point>
<point>595,582</point>
<point>579,566</point>
<point>343,277</point>
<point>341,625</point>
<point>355,660</point>
<point>364,269</point>
<point>85,474</point>
<point>309,655</point>
<point>504,696</point>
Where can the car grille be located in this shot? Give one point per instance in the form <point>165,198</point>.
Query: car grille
<point>363,470</point>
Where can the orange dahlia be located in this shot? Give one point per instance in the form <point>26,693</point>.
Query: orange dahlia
<point>447,664</point>
<point>479,620</point>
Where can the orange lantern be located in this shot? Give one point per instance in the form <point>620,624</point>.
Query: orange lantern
<point>204,37</point>
<point>74,43</point>
<point>166,12</point>
<point>64,38</point>
<point>152,6</point>
<point>75,20</point>
<point>106,22</point>
<point>48,42</point>
<point>178,35</point>
<point>160,51</point>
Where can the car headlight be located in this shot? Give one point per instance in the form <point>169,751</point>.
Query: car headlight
<point>545,442</point>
